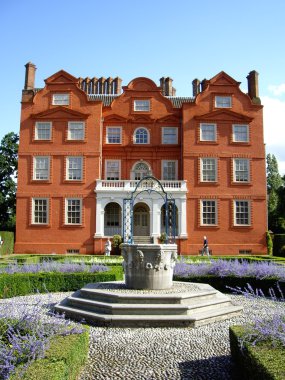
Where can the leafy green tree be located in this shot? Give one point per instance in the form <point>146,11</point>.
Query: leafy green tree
<point>8,175</point>
<point>275,189</point>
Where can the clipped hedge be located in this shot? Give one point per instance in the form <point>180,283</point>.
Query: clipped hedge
<point>87,259</point>
<point>256,362</point>
<point>222,283</point>
<point>21,284</point>
<point>278,243</point>
<point>63,360</point>
<point>7,248</point>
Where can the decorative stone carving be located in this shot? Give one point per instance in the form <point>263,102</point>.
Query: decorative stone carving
<point>149,266</point>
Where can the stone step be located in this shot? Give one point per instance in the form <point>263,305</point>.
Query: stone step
<point>148,320</point>
<point>177,298</point>
<point>142,240</point>
<point>151,309</point>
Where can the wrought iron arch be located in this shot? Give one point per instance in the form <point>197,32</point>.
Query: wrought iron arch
<point>149,184</point>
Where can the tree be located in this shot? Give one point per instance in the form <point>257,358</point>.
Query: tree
<point>8,175</point>
<point>275,191</point>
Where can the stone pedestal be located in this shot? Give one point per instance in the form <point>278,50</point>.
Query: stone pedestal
<point>149,266</point>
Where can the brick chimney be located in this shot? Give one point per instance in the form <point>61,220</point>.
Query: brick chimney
<point>30,76</point>
<point>252,81</point>
<point>196,87</point>
<point>204,84</point>
<point>166,87</point>
<point>118,85</point>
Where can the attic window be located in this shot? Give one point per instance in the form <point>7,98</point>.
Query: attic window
<point>142,105</point>
<point>223,101</point>
<point>60,99</point>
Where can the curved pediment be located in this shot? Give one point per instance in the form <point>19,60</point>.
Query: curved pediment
<point>60,113</point>
<point>142,84</point>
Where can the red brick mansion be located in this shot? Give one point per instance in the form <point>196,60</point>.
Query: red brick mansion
<point>86,143</point>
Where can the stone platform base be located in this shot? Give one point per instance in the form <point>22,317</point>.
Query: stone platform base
<point>112,304</point>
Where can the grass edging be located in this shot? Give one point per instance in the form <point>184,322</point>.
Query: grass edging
<point>21,284</point>
<point>256,362</point>
<point>63,360</point>
<point>222,283</point>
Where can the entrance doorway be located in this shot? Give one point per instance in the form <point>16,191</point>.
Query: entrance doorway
<point>141,220</point>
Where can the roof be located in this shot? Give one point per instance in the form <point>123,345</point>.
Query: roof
<point>107,99</point>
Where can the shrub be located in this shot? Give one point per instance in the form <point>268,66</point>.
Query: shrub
<point>20,284</point>
<point>256,362</point>
<point>7,247</point>
<point>269,244</point>
<point>279,241</point>
<point>50,345</point>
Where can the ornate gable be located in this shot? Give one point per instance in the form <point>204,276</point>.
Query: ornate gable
<point>224,115</point>
<point>61,77</point>
<point>60,113</point>
<point>223,79</point>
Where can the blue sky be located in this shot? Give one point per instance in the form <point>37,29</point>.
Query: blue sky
<point>184,39</point>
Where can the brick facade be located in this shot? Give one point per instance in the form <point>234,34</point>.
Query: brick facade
<point>84,144</point>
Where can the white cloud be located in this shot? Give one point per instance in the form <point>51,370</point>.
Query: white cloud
<point>274,128</point>
<point>277,90</point>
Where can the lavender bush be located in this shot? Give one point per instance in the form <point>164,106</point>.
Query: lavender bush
<point>53,266</point>
<point>270,330</point>
<point>25,335</point>
<point>222,268</point>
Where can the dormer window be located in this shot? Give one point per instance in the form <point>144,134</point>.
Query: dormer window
<point>142,105</point>
<point>60,99</point>
<point>223,101</point>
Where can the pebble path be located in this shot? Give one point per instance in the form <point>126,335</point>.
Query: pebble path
<point>202,353</point>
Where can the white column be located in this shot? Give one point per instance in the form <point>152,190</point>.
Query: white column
<point>155,218</point>
<point>99,218</point>
<point>182,220</point>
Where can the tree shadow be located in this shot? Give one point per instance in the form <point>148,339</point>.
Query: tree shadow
<point>213,368</point>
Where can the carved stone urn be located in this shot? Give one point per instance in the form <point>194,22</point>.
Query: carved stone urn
<point>149,266</point>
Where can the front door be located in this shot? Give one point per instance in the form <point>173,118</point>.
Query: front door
<point>141,220</point>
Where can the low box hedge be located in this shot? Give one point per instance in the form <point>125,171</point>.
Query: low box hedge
<point>223,283</point>
<point>261,361</point>
<point>63,360</point>
<point>21,284</point>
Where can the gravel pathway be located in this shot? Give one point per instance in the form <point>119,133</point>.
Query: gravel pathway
<point>202,353</point>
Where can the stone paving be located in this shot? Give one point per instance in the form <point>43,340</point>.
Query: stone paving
<point>202,353</point>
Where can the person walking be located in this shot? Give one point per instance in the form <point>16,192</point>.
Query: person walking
<point>205,249</point>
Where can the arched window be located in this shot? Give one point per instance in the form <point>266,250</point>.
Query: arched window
<point>112,219</point>
<point>141,136</point>
<point>140,170</point>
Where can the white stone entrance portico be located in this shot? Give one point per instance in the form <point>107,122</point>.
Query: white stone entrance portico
<point>115,191</point>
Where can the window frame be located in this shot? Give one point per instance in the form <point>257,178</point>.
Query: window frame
<point>234,140</point>
<point>201,132</point>
<point>36,135</point>
<point>69,131</point>
<point>202,170</point>
<point>175,168</point>
<point>68,159</point>
<point>214,201</point>
<point>35,158</point>
<point>107,135</point>
<point>163,141</point>
<point>248,214</point>
<point>34,210</point>
<point>241,171</point>
<point>66,212</point>
<point>222,104</point>
<point>147,134</point>
<point>141,108</point>
<point>65,101</point>
<point>106,170</point>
